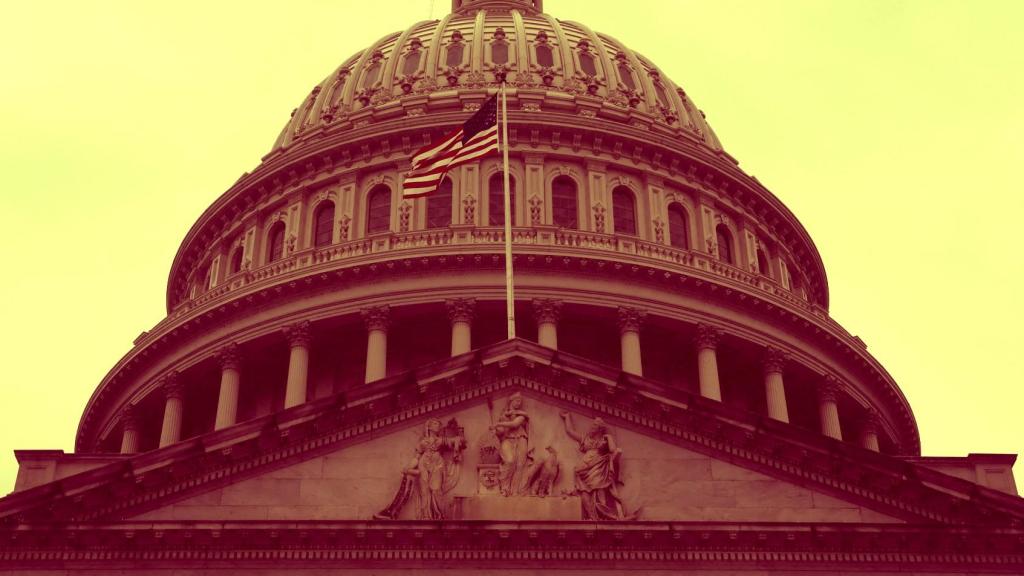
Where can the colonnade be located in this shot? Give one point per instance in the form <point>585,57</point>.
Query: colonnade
<point>461,312</point>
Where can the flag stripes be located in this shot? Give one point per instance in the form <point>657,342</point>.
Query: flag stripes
<point>477,137</point>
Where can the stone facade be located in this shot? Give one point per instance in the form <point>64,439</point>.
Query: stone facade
<point>333,389</point>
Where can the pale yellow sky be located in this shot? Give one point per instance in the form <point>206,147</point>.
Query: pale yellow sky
<point>891,129</point>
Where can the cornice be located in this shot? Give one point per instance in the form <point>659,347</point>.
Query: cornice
<point>483,545</point>
<point>162,476</point>
<point>355,262</point>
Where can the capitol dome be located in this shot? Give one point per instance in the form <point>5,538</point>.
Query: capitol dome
<point>625,206</point>
<point>314,312</point>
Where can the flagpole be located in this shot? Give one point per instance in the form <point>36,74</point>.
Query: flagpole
<point>510,302</point>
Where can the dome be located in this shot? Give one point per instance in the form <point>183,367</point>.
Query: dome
<point>626,213</point>
<point>344,380</point>
<point>552,65</point>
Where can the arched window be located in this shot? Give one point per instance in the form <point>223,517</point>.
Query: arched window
<point>623,211</point>
<point>323,224</point>
<point>378,209</point>
<point>724,240</point>
<point>275,242</point>
<point>563,202</point>
<point>439,206</point>
<point>678,226</point>
<point>236,260</point>
<point>762,262</point>
<point>202,279</point>
<point>496,199</point>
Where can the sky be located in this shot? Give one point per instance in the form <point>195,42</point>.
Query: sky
<point>892,129</point>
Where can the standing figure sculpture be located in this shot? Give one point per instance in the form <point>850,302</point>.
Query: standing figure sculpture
<point>430,473</point>
<point>596,476</point>
<point>511,430</point>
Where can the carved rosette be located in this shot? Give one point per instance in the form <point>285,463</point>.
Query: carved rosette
<point>173,386</point>
<point>461,309</point>
<point>229,358</point>
<point>707,337</point>
<point>828,389</point>
<point>630,319</point>
<point>298,334</point>
<point>377,317</point>
<point>773,361</point>
<point>546,310</point>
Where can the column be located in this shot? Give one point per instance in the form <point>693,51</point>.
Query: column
<point>460,314</point>
<point>298,363</point>
<point>774,389</point>
<point>547,311</point>
<point>869,435</point>
<point>377,320</point>
<point>230,379</point>
<point>707,361</point>
<point>630,320</point>
<point>175,394</point>
<point>129,430</point>
<point>828,409</point>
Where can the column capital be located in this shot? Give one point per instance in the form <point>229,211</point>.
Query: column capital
<point>872,422</point>
<point>377,317</point>
<point>173,386</point>
<point>707,336</point>
<point>630,319</point>
<point>129,417</point>
<point>547,310</point>
<point>298,334</point>
<point>773,360</point>
<point>829,388</point>
<point>461,309</point>
<point>229,357</point>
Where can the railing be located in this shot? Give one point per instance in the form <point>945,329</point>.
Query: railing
<point>531,239</point>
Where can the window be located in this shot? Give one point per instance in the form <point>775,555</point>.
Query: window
<point>626,75</point>
<point>499,53</point>
<point>371,75</point>
<point>545,57</point>
<point>378,209</point>
<point>453,57</point>
<point>323,224</point>
<point>624,211</point>
<point>678,226</point>
<point>724,240</point>
<point>203,280</point>
<point>439,206</point>
<point>236,260</point>
<point>587,64</point>
<point>496,199</point>
<point>762,262</point>
<point>275,242</point>
<point>659,91</point>
<point>563,202</point>
<point>412,63</point>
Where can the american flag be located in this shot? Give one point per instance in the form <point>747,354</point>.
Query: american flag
<point>477,137</point>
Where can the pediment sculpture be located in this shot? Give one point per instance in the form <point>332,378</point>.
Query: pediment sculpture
<point>432,473</point>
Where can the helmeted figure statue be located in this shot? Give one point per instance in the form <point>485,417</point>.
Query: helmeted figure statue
<point>511,429</point>
<point>430,472</point>
<point>596,475</point>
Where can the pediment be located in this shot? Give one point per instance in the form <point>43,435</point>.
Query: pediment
<point>653,479</point>
<point>683,458</point>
